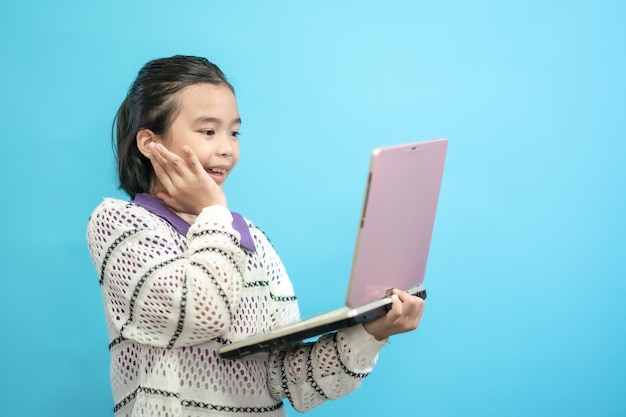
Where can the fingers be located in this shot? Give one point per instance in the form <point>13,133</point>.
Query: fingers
<point>396,308</point>
<point>171,169</point>
<point>158,165</point>
<point>406,309</point>
<point>418,318</point>
<point>403,316</point>
<point>173,166</point>
<point>168,161</point>
<point>192,161</point>
<point>187,187</point>
<point>165,165</point>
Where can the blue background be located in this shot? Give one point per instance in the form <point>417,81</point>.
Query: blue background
<point>526,275</point>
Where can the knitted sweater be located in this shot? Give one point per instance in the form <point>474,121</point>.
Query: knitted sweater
<point>171,300</point>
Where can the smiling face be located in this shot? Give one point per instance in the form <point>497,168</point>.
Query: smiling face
<point>207,120</point>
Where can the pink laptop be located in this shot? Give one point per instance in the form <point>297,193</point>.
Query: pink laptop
<point>392,245</point>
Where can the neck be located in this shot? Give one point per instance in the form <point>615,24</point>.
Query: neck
<point>189,218</point>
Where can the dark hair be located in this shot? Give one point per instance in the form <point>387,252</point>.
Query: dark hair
<point>151,104</point>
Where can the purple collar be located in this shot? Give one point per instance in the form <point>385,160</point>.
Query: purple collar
<point>154,206</point>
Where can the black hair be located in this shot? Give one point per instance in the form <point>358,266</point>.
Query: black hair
<point>151,104</point>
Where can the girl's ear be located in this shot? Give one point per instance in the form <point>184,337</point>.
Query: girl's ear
<point>144,138</point>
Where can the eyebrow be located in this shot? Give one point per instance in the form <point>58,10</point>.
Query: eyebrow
<point>209,119</point>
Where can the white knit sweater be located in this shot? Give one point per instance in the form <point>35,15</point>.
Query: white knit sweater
<point>171,301</point>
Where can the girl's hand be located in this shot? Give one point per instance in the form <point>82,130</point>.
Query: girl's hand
<point>188,187</point>
<point>404,316</point>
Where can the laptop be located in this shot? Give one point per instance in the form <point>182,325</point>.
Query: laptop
<point>392,244</point>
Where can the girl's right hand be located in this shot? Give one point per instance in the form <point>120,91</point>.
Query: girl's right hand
<point>188,187</point>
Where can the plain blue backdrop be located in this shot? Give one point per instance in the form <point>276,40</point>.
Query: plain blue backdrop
<point>526,275</point>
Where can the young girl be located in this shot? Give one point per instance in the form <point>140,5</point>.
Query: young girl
<point>181,275</point>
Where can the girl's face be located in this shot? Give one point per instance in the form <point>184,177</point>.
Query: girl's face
<point>208,122</point>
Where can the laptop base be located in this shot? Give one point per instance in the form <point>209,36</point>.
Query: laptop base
<point>315,326</point>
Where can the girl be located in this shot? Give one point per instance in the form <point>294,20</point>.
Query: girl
<point>181,275</point>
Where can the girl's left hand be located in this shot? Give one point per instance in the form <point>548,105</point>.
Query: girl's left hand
<point>404,316</point>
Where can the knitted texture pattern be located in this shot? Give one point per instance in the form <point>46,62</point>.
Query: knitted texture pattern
<point>171,301</point>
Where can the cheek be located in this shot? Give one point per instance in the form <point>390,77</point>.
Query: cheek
<point>195,149</point>
<point>176,142</point>
<point>236,156</point>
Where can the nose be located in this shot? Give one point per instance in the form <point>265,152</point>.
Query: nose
<point>224,146</point>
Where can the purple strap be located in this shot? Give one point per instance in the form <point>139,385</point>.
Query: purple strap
<point>154,206</point>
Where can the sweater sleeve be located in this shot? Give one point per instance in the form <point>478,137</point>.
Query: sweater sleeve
<point>159,289</point>
<point>309,374</point>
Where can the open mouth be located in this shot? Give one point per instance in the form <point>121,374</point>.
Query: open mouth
<point>220,172</point>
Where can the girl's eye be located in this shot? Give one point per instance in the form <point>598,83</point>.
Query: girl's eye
<point>234,134</point>
<point>209,132</point>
